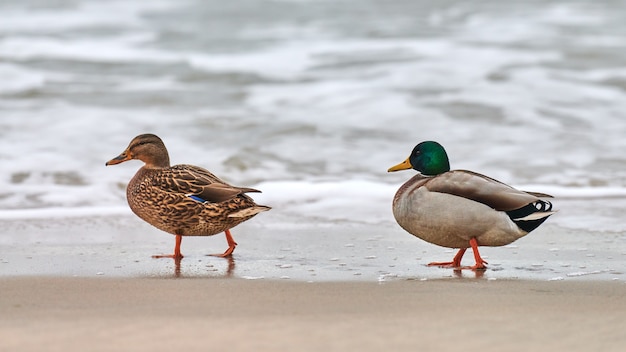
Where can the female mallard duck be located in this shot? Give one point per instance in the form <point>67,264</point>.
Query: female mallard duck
<point>462,209</point>
<point>184,200</point>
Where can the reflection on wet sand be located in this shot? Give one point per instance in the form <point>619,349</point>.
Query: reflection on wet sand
<point>230,270</point>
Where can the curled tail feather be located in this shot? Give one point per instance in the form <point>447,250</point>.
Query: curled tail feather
<point>243,213</point>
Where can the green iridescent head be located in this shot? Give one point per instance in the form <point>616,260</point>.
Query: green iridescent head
<point>429,158</point>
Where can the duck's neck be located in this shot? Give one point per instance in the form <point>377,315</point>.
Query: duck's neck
<point>161,161</point>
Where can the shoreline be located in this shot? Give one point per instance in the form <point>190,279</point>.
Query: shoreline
<point>276,247</point>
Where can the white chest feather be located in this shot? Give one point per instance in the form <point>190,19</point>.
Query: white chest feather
<point>451,221</point>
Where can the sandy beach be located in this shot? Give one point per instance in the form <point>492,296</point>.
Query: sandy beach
<point>89,283</point>
<point>102,314</point>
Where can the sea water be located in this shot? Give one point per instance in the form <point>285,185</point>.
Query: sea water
<point>311,101</point>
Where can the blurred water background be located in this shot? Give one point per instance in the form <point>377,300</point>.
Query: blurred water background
<point>312,100</point>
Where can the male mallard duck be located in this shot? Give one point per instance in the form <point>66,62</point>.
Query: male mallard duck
<point>462,209</point>
<point>184,200</point>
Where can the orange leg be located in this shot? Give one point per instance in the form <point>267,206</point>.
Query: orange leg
<point>480,263</point>
<point>231,246</point>
<point>177,254</point>
<point>455,263</point>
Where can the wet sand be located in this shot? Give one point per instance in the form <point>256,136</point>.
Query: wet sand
<point>89,283</point>
<point>277,247</point>
<point>154,314</point>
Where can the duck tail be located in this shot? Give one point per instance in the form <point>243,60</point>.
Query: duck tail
<point>530,216</point>
<point>248,212</point>
<point>248,190</point>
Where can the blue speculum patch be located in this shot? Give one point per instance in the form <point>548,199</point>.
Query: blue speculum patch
<point>196,198</point>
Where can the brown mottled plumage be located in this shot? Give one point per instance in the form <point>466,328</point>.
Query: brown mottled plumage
<point>184,200</point>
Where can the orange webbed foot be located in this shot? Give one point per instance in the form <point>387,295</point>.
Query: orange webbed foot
<point>443,264</point>
<point>231,246</point>
<point>480,262</point>
<point>176,255</point>
<point>173,256</point>
<point>480,266</point>
<point>227,254</point>
<point>455,263</point>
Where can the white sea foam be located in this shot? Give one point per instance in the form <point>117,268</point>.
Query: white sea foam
<point>118,49</point>
<point>60,213</point>
<point>80,16</point>
<point>356,200</point>
<point>16,79</point>
<point>312,112</point>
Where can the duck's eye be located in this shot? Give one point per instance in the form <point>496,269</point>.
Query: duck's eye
<point>139,144</point>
